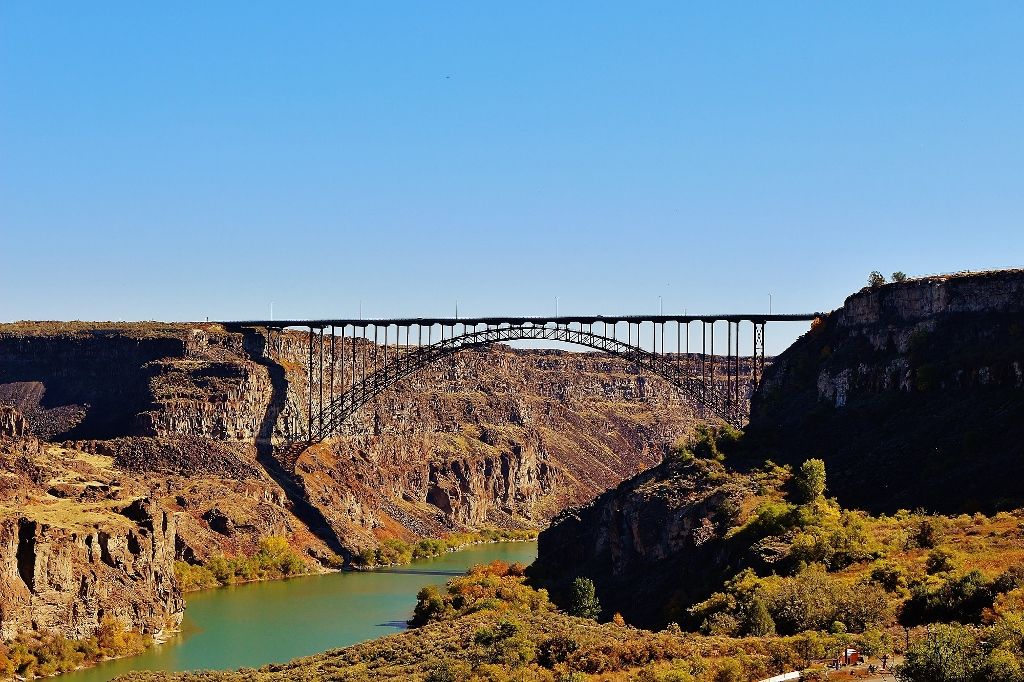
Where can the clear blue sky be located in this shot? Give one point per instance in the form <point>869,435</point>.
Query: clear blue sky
<point>182,160</point>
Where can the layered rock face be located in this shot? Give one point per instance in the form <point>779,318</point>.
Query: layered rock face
<point>912,393</point>
<point>496,436</point>
<point>74,550</point>
<point>67,580</point>
<point>95,381</point>
<point>490,436</point>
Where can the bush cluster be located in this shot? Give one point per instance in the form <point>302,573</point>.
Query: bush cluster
<point>45,654</point>
<point>708,442</point>
<point>495,586</point>
<point>962,597</point>
<point>274,559</point>
<point>960,653</point>
<point>394,552</point>
<point>813,599</point>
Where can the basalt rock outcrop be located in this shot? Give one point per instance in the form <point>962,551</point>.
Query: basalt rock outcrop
<point>654,545</point>
<point>75,548</point>
<point>195,415</point>
<point>67,579</point>
<point>491,437</point>
<point>912,393</point>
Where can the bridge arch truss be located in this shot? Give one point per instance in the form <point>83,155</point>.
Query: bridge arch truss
<point>348,366</point>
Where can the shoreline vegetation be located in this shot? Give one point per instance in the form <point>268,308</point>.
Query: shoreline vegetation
<point>398,553</point>
<point>490,625</point>
<point>952,588</point>
<point>45,654</point>
<point>276,560</point>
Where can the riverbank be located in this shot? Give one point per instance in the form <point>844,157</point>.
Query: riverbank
<point>399,553</point>
<point>249,625</point>
<point>35,654</point>
<point>488,624</point>
<point>276,561</point>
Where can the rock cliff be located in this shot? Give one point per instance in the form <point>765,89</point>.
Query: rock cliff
<point>912,393</point>
<point>491,437</point>
<point>186,416</point>
<point>73,550</point>
<point>654,545</point>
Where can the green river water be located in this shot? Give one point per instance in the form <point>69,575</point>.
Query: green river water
<point>250,625</point>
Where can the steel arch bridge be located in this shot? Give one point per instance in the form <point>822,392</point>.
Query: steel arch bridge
<point>347,370</point>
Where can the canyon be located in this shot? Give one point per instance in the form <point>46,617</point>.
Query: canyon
<point>132,446</point>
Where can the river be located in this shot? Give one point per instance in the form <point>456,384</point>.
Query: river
<point>251,625</point>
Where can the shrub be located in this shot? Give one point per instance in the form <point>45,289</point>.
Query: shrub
<point>927,533</point>
<point>494,586</point>
<point>505,644</point>
<point>876,279</point>
<point>448,671</point>
<point>961,598</point>
<point>759,622</point>
<point>948,654</point>
<point>729,670</point>
<point>555,650</point>
<point>890,576</point>
<point>396,552</point>
<point>773,518</point>
<point>836,545</point>
<point>939,561</point>
<point>709,442</point>
<point>274,559</point>
<point>192,577</point>
<point>430,605</point>
<point>864,607</point>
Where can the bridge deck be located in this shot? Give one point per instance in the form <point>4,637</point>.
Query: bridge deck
<point>565,319</point>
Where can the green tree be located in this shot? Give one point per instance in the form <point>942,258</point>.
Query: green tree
<point>1002,665</point>
<point>899,276</point>
<point>876,279</point>
<point>949,653</point>
<point>759,621</point>
<point>430,605</point>
<point>810,481</point>
<point>583,600</point>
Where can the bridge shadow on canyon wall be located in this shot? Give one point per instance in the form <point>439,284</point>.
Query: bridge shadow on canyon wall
<point>256,345</point>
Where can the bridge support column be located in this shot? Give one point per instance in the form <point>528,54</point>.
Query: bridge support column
<point>309,387</point>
